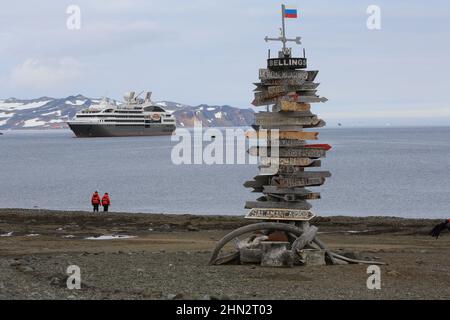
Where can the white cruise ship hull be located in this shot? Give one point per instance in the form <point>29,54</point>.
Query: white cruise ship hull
<point>120,130</point>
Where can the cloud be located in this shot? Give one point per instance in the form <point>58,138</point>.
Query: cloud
<point>35,73</point>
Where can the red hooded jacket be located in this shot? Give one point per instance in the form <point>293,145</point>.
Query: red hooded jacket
<point>106,200</point>
<point>95,198</point>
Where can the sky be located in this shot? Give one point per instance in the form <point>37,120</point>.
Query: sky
<point>206,51</point>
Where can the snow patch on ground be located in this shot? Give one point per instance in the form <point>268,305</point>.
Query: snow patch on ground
<point>210,109</point>
<point>3,122</point>
<point>110,237</point>
<point>218,115</point>
<point>9,234</point>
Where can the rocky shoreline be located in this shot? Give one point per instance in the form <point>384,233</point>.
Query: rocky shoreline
<point>163,256</point>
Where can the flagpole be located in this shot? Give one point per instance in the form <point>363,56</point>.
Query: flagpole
<point>283,35</point>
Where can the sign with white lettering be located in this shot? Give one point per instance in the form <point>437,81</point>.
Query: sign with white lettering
<point>286,63</point>
<point>279,214</point>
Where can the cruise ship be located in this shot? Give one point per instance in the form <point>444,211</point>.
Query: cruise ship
<point>135,117</point>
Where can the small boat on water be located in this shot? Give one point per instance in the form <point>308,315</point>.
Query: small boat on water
<point>135,117</point>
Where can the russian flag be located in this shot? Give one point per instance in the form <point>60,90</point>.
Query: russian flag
<point>290,12</point>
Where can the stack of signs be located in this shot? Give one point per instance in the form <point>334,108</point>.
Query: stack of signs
<point>290,90</point>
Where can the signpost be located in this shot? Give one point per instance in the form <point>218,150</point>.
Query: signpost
<point>287,91</point>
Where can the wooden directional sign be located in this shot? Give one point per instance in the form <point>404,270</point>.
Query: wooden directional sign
<point>302,152</point>
<point>292,135</point>
<point>322,146</point>
<point>294,106</point>
<point>284,115</point>
<point>279,120</point>
<point>300,205</point>
<point>303,162</point>
<point>261,100</point>
<point>288,152</point>
<point>280,214</point>
<point>287,74</point>
<point>286,63</point>
<point>299,172</point>
<point>281,82</point>
<point>291,196</point>
<point>289,182</point>
<point>278,190</point>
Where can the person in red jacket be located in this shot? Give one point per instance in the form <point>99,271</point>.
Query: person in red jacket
<point>106,201</point>
<point>95,201</point>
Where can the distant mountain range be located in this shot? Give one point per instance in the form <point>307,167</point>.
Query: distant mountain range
<point>52,113</point>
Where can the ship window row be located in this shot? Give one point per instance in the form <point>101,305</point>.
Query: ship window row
<point>109,116</point>
<point>134,121</point>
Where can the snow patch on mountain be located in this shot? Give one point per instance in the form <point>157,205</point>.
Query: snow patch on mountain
<point>53,113</point>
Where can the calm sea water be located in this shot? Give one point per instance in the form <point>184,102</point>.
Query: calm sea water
<point>390,171</point>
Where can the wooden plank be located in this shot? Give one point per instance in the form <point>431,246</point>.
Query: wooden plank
<point>284,89</point>
<point>294,106</point>
<point>285,74</point>
<point>266,74</point>
<point>322,146</point>
<point>299,205</point>
<point>280,214</point>
<point>281,82</point>
<point>320,124</point>
<point>259,101</point>
<point>258,181</point>
<point>285,121</point>
<point>302,153</point>
<point>293,191</point>
<point>304,162</point>
<point>289,152</point>
<point>289,135</point>
<point>283,115</point>
<point>304,174</point>
<point>295,197</point>
<point>288,182</point>
<point>265,95</point>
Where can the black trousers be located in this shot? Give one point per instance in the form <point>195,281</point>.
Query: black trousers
<point>95,207</point>
<point>105,207</point>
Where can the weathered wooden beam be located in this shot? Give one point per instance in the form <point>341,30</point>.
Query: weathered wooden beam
<point>278,82</point>
<point>299,205</point>
<point>278,190</point>
<point>280,214</point>
<point>283,115</point>
<point>261,101</point>
<point>288,182</point>
<point>304,162</point>
<point>321,123</point>
<point>323,146</point>
<point>292,135</point>
<point>294,106</point>
<point>266,74</point>
<point>294,197</point>
<point>297,171</point>
<point>288,152</point>
<point>264,120</point>
<point>303,174</point>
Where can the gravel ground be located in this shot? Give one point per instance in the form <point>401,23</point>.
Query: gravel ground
<point>168,259</point>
